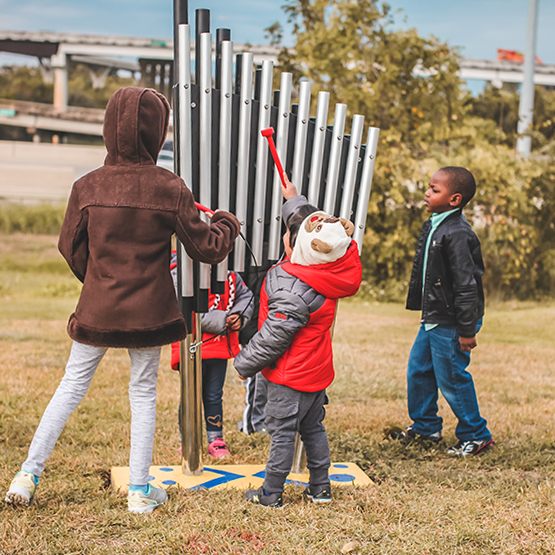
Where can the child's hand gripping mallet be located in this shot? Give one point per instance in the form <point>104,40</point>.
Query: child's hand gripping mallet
<point>268,134</point>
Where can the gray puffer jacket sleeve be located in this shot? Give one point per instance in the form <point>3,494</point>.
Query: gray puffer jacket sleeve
<point>276,334</point>
<point>244,302</point>
<point>213,322</point>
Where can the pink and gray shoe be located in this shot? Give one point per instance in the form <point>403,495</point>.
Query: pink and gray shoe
<point>218,449</point>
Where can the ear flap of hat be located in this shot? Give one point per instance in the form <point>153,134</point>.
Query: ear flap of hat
<point>348,225</point>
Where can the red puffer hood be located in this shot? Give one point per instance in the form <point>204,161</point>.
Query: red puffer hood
<point>135,126</point>
<point>334,280</point>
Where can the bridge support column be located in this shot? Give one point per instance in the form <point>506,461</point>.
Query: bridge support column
<point>59,64</point>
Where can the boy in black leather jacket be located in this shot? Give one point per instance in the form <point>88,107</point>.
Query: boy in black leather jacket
<point>446,285</point>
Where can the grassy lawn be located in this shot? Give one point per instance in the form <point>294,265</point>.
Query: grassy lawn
<point>421,501</point>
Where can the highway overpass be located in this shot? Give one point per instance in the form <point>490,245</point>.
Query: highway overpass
<point>151,60</point>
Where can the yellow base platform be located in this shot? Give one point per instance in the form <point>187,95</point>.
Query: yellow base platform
<point>234,476</point>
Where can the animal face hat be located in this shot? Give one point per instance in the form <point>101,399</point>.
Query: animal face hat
<point>321,239</point>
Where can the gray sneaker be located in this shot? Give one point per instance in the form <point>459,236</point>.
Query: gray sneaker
<point>139,502</point>
<point>260,497</point>
<point>466,448</point>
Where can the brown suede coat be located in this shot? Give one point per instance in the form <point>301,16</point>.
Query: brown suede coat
<point>118,226</point>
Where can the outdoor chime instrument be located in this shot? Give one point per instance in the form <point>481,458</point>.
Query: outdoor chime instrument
<point>221,154</point>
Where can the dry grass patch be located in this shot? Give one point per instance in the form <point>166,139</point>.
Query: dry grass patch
<point>421,501</point>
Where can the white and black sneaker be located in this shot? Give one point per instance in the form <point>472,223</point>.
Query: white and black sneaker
<point>466,448</point>
<point>409,434</point>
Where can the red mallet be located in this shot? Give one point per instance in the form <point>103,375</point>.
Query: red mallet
<point>268,134</point>
<point>204,209</point>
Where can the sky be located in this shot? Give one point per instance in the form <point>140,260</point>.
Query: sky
<point>478,27</point>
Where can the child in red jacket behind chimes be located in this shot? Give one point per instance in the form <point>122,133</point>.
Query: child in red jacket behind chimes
<point>228,313</point>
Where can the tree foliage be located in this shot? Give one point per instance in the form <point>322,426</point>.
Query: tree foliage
<point>399,81</point>
<point>27,83</point>
<point>408,86</point>
<point>501,106</point>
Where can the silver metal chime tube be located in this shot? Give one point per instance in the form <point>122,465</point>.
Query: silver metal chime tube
<point>191,432</point>
<point>262,160</point>
<point>318,147</point>
<point>365,185</point>
<point>335,157</point>
<point>245,112</point>
<point>281,147</point>
<point>224,175</point>
<point>301,134</point>
<point>352,165</point>
<point>205,138</point>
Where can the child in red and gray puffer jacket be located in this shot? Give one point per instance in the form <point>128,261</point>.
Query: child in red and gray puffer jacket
<point>292,347</point>
<point>228,313</point>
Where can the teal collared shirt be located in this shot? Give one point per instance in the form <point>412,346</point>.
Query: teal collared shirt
<point>436,219</point>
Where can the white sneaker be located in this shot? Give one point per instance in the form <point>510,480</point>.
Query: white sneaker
<point>466,448</point>
<point>22,489</point>
<point>139,502</point>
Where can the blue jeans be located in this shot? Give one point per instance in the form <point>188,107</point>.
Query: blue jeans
<point>213,379</point>
<point>436,361</point>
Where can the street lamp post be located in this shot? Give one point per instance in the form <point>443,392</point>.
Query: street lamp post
<point>526,107</point>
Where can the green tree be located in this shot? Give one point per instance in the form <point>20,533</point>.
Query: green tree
<point>502,106</point>
<point>25,83</point>
<point>405,84</point>
<point>408,86</point>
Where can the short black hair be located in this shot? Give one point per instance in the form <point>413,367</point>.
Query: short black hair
<point>460,181</point>
<point>295,221</point>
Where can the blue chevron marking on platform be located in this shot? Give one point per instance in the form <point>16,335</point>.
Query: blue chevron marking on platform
<point>222,479</point>
<point>296,482</point>
<point>262,474</point>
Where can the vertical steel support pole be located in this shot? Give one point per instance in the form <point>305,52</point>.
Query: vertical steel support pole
<point>335,157</point>
<point>262,160</point>
<point>352,164</point>
<point>245,111</point>
<point>224,176</point>
<point>318,148</point>
<point>526,106</point>
<point>365,185</point>
<point>191,430</point>
<point>281,146</point>
<point>299,456</point>
<point>301,134</point>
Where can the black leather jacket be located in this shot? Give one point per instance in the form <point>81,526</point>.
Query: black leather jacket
<point>453,293</point>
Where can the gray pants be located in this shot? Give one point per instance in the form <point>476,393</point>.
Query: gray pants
<point>287,412</point>
<point>256,393</point>
<point>80,370</point>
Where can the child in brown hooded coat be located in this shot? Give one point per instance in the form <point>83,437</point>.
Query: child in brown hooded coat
<point>116,239</point>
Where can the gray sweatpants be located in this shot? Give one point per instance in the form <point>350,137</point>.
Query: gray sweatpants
<point>80,370</point>
<point>287,412</point>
